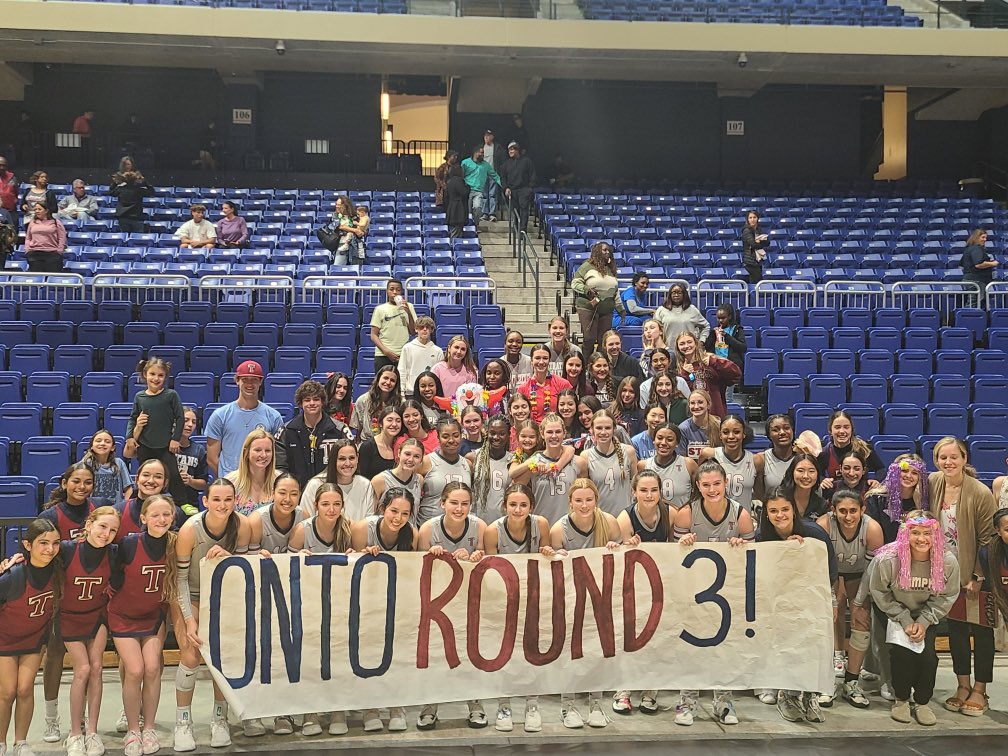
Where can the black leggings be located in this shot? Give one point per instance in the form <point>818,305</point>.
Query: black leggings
<point>914,672</point>
<point>982,655</point>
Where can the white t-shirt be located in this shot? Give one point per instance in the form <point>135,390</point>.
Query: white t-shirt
<point>197,231</point>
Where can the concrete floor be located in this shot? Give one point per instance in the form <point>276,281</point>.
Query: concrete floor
<point>761,729</point>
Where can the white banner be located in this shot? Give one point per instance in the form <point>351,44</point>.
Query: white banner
<point>297,634</point>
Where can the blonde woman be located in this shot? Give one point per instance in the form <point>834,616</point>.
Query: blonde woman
<point>256,473</point>
<point>705,371</point>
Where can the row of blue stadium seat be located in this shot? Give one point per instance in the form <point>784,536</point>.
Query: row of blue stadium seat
<point>781,338</point>
<point>784,390</point>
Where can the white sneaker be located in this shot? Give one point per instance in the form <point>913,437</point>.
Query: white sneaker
<point>621,702</point>
<point>477,718</point>
<point>253,728</point>
<point>810,702</point>
<point>597,717</point>
<point>151,742</point>
<point>570,716</point>
<point>790,706</point>
<point>397,719</point>
<point>504,722</point>
<point>132,744</point>
<point>75,745</point>
<point>51,733</point>
<point>93,745</point>
<point>684,710</point>
<point>868,677</point>
<point>220,733</point>
<point>855,695</point>
<point>22,749</point>
<point>184,740</point>
<point>825,699</point>
<point>533,719</point>
<point>337,722</point>
<point>767,696</point>
<point>724,709</point>
<point>283,725</point>
<point>649,702</point>
<point>886,691</point>
<point>311,727</point>
<point>121,724</point>
<point>839,663</point>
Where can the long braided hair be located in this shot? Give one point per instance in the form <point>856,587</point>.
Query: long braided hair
<point>481,465</point>
<point>617,446</point>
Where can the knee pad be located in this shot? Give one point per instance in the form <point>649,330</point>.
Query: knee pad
<point>860,640</point>
<point>185,678</point>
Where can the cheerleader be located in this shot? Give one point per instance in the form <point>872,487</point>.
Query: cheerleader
<point>646,520</point>
<point>674,470</point>
<point>775,460</point>
<point>585,526</point>
<point>710,516</point>
<point>82,624</point>
<point>551,472</point>
<point>441,468</point>
<point>609,464</point>
<point>490,466</point>
<point>855,537</point>
<point>519,531</point>
<point>409,459</point>
<point>219,531</point>
<point>142,587</point>
<point>327,531</point>
<point>29,595</point>
<point>738,464</point>
<point>358,495</point>
<point>459,534</point>
<point>701,429</point>
<point>151,480</point>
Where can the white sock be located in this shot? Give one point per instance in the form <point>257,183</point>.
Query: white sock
<point>220,710</point>
<point>52,709</point>
<point>183,713</point>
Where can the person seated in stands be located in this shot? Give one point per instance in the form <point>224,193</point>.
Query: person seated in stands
<point>232,232</point>
<point>129,189</point>
<point>635,303</point>
<point>45,242</point>
<point>38,191</point>
<point>558,173</point>
<point>78,207</point>
<point>198,233</point>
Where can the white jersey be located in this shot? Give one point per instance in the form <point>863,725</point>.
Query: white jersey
<point>675,480</point>
<point>574,539</point>
<point>853,555</point>
<point>469,540</point>
<point>441,474</point>
<point>612,479</point>
<point>274,538</point>
<point>774,469</point>
<point>203,541</point>
<point>552,492</point>
<point>490,509</point>
<point>412,485</point>
<point>715,532</point>
<point>314,542</point>
<point>506,543</point>
<point>374,536</point>
<point>741,477</point>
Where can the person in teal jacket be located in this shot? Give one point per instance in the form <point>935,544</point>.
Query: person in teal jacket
<point>478,173</point>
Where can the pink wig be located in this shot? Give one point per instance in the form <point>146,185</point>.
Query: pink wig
<point>937,553</point>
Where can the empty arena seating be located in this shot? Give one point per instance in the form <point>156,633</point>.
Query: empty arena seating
<point>339,6</point>
<point>810,12</point>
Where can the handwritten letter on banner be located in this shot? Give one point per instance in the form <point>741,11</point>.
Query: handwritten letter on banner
<point>299,634</point>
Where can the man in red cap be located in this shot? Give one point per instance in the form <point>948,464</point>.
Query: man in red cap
<point>229,425</point>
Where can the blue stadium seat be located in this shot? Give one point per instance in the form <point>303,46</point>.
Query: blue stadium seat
<point>875,362</point>
<point>887,339</point>
<point>160,312</point>
<point>102,388</point>
<point>950,389</point>
<point>869,389</point>
<point>18,498</point>
<point>221,334</point>
<point>301,335</point>
<point>855,317</point>
<point>261,334</point>
<point>990,389</point>
<point>947,420</point>
<point>99,334</point>
<point>990,362</point>
<point>334,360</point>
<point>801,362</point>
<point>54,333</point>
<point>10,385</point>
<point>989,419</point>
<point>258,354</point>
<point>952,362</point>
<point>890,317</point>
<point>40,456</point>
<point>29,358</point>
<point>777,338</point>
<point>209,359</point>
<point>115,417</point>
<point>865,418</point>
<point>784,391</point>
<point>889,447</point>
<point>123,358</point>
<point>174,355</point>
<point>233,312</point>
<point>270,312</point>
<point>924,317</point>
<point>37,310</point>
<point>791,318</point>
<point>960,339</point>
<point>827,388</point>
<point>75,420</point>
<point>75,359</point>
<point>759,364</point>
<point>986,455</point>
<point>146,335</point>
<point>197,312</point>
<point>852,339</point>
<point>902,420</point>
<point>837,361</point>
<point>279,388</point>
<point>48,389</point>
<point>914,362</point>
<point>20,420</point>
<point>813,337</point>
<point>185,335</point>
<point>15,332</point>
<point>195,388</point>
<point>972,319</point>
<point>910,389</point>
<point>925,339</point>
<point>293,359</point>
<point>812,417</point>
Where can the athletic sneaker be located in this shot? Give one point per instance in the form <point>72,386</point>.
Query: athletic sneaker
<point>649,702</point>
<point>504,722</point>
<point>597,717</point>
<point>477,718</point>
<point>533,719</point>
<point>220,733</point>
<point>132,744</point>
<point>826,699</point>
<point>570,716</point>
<point>886,691</point>
<point>868,677</point>
<point>684,710</point>
<point>253,728</point>
<point>184,740</point>
<point>310,726</point>
<point>428,718</point>
<point>397,719</point>
<point>839,663</point>
<point>121,724</point>
<point>372,722</point>
<point>766,696</point>
<point>621,702</point>
<point>855,695</point>
<point>75,745</point>
<point>790,707</point>
<point>22,749</point>
<point>283,725</point>
<point>724,709</point>
<point>93,745</point>
<point>151,742</point>
<point>337,722</point>
<point>51,733</point>
<point>810,702</point>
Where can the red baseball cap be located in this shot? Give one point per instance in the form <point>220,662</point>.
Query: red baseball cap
<point>249,369</point>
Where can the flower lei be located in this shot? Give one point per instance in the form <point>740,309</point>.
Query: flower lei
<point>519,455</point>
<point>375,427</point>
<point>552,469</point>
<point>547,394</point>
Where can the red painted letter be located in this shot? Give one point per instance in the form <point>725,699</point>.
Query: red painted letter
<point>632,558</point>
<point>531,636</point>
<point>509,574</point>
<point>601,598</point>
<point>432,610</point>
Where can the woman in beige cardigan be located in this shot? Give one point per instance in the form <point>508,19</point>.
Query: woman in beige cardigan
<point>965,508</point>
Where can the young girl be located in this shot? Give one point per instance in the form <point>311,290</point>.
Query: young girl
<point>519,365</point>
<point>674,470</point>
<point>705,371</point>
<point>88,565</point>
<point>519,531</point>
<point>609,464</point>
<point>665,393</point>
<point>903,490</point>
<point>29,597</point>
<point>112,476</point>
<point>780,522</point>
<point>271,526</point>
<point>457,367</point>
<point>601,380</point>
<point>156,422</point>
<point>459,534</point>
<point>842,442</point>
<point>542,387</point>
<point>416,426</point>
<point>377,453</point>
<point>384,392</point>
<point>915,585</point>
<point>358,495</point>
<point>738,464</point>
<point>646,520</point>
<point>472,429</point>
<point>339,405</point>
<point>519,410</point>
<point>801,481</point>
<point>218,531</point>
<point>428,386</point>
<point>652,337</point>
<point>855,537</point>
<point>327,531</point>
<point>441,468</point>
<point>567,402</point>
<point>559,345</point>
<point>776,459</point>
<point>710,516</point>
<point>253,480</point>
<point>575,374</point>
<point>494,375</point>
<point>643,442</point>
<point>529,441</point>
<point>142,586</point>
<point>727,339</point>
<point>702,429</point>
<point>490,465</point>
<point>584,526</point>
<point>625,408</point>
<point>404,475</point>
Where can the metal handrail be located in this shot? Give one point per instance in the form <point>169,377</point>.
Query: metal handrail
<point>523,249</point>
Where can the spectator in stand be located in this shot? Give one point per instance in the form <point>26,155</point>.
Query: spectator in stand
<point>977,264</point>
<point>82,123</point>
<point>596,293</point>
<point>198,233</point>
<point>303,444</point>
<point>232,231</point>
<point>361,228</point>
<point>229,425</point>
<point>678,314</point>
<point>419,355</point>
<point>79,207</point>
<point>126,163</point>
<point>344,219</point>
<point>518,177</point>
<point>494,155</point>
<point>8,193</point>
<point>621,364</point>
<point>38,191</point>
<point>754,246</point>
<point>479,173</point>
<point>129,189</point>
<point>441,175</point>
<point>705,371</point>
<point>191,459</point>
<point>558,173</point>
<point>392,324</point>
<point>456,199</point>
<point>635,307</point>
<point>45,242</point>
<point>519,133</point>
<point>457,367</point>
<point>727,339</point>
